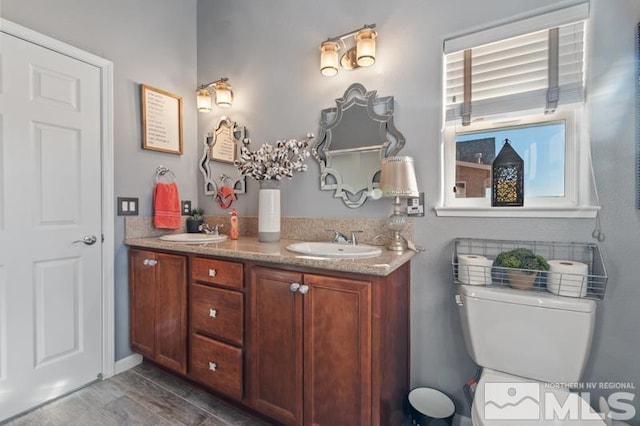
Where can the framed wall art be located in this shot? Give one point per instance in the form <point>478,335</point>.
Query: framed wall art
<point>161,120</point>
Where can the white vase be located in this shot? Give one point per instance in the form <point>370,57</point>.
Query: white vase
<point>269,211</point>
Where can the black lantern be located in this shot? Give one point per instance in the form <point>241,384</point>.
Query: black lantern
<point>507,173</point>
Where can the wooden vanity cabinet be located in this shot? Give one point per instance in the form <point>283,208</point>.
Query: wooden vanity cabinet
<point>158,307</point>
<point>312,348</point>
<point>216,318</point>
<point>328,349</point>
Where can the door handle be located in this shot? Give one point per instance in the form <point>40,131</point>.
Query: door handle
<point>88,240</point>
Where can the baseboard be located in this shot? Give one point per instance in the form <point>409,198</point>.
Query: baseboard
<point>124,364</point>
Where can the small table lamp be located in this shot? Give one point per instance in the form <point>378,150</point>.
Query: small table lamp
<point>398,180</point>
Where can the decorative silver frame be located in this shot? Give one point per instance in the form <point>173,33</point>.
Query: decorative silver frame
<point>214,177</point>
<point>337,164</point>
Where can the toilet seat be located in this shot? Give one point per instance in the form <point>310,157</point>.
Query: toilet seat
<point>507,400</point>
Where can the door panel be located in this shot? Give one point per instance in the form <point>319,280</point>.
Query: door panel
<point>142,302</point>
<point>54,88</point>
<point>171,311</point>
<point>276,342</point>
<point>57,302</point>
<point>57,163</point>
<point>50,196</point>
<point>337,353</point>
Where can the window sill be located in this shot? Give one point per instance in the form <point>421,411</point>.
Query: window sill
<point>582,212</point>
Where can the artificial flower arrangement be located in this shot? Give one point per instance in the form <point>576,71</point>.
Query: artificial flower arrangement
<point>274,162</point>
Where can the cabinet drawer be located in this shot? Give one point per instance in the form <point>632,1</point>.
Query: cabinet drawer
<point>217,312</point>
<point>217,272</point>
<point>216,365</point>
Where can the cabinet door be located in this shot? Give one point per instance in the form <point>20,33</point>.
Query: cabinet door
<point>275,366</point>
<point>171,311</point>
<point>142,301</point>
<point>158,307</point>
<point>337,351</point>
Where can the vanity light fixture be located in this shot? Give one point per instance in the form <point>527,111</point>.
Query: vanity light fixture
<point>361,54</point>
<point>222,91</point>
<point>398,180</point>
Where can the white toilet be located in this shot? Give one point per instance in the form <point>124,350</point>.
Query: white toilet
<point>531,345</point>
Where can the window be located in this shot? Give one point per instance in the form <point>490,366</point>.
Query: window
<point>524,82</point>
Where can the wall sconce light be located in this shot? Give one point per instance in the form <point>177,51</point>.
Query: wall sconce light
<point>361,54</point>
<point>222,91</point>
<point>398,180</point>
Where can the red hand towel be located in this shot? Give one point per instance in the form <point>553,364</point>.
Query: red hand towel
<point>166,202</point>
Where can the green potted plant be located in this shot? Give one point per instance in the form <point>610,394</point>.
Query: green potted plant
<point>195,220</point>
<point>521,267</point>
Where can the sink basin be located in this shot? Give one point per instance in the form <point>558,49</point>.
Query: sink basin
<point>193,238</point>
<point>344,251</point>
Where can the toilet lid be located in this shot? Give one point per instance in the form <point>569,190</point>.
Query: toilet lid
<point>503,399</point>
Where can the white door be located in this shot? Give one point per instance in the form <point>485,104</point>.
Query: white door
<point>50,196</point>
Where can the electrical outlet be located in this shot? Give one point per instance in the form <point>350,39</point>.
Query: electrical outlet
<point>415,206</point>
<point>186,207</point>
<point>127,206</point>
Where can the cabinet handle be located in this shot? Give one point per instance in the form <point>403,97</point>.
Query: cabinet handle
<point>304,289</point>
<point>213,313</point>
<point>294,287</point>
<point>149,262</point>
<point>212,272</point>
<point>212,366</point>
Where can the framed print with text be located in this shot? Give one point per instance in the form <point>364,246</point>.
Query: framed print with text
<point>161,120</point>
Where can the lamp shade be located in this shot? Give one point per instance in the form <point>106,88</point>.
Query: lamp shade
<point>329,58</point>
<point>366,47</point>
<point>224,94</point>
<point>204,100</point>
<point>398,178</point>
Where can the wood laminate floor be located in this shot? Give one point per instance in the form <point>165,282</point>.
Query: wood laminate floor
<point>143,395</point>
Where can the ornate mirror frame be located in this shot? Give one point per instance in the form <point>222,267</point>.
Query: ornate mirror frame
<point>218,169</point>
<point>348,154</point>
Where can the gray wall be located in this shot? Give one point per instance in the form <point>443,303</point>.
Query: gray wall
<point>269,50</point>
<point>151,42</point>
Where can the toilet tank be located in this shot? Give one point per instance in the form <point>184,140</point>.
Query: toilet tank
<point>529,334</point>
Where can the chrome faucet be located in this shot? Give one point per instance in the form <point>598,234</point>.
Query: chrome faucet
<point>207,229</point>
<point>340,238</point>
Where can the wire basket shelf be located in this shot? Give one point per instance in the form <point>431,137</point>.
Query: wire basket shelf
<point>472,263</point>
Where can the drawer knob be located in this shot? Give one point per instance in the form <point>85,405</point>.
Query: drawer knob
<point>212,366</point>
<point>294,287</point>
<point>212,272</point>
<point>303,289</point>
<point>213,313</point>
<point>149,262</point>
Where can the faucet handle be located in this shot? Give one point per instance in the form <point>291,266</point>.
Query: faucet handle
<point>354,240</point>
<point>217,228</point>
<point>338,237</point>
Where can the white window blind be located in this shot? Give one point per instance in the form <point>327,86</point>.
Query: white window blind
<point>536,70</point>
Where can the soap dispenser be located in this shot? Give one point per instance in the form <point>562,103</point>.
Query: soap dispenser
<point>234,231</point>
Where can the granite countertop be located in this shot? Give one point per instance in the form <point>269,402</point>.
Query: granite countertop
<point>248,248</point>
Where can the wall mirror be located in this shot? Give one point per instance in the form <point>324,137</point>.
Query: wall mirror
<point>220,149</point>
<point>354,137</point>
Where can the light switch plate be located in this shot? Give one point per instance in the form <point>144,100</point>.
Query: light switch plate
<point>415,206</point>
<point>127,206</point>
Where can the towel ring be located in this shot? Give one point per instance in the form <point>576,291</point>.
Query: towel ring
<point>163,171</point>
